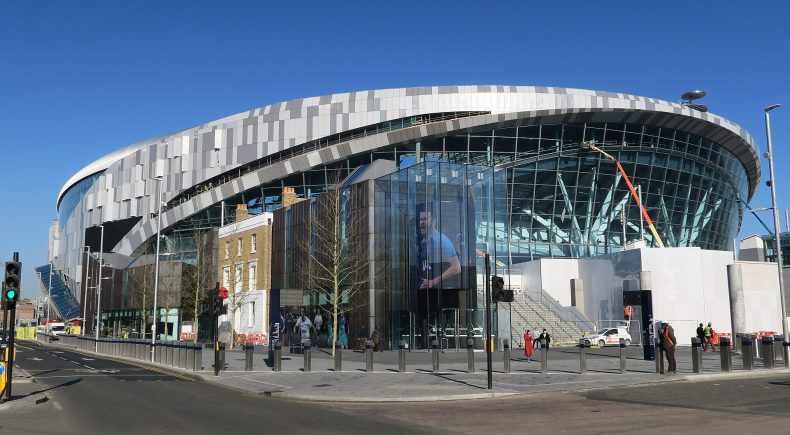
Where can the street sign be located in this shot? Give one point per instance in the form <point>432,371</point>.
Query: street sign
<point>223,292</point>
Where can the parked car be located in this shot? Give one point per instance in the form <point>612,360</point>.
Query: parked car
<point>608,337</point>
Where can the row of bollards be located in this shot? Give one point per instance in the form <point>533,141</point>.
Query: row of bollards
<point>178,354</point>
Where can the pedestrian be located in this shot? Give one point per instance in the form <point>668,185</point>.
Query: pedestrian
<point>701,337</point>
<point>318,323</point>
<point>342,330</point>
<point>709,336</point>
<point>545,336</point>
<point>305,328</point>
<point>528,345</point>
<point>668,342</point>
<point>627,313</point>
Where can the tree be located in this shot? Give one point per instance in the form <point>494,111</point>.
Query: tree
<point>141,286</point>
<point>199,275</point>
<point>170,283</point>
<point>335,252</point>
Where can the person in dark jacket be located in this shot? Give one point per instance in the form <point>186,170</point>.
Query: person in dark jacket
<point>701,336</point>
<point>668,342</point>
<point>545,336</point>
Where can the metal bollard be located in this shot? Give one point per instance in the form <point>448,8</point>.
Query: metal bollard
<point>222,356</point>
<point>696,354</point>
<point>768,352</point>
<point>544,357</point>
<point>198,359</point>
<point>338,357</point>
<point>756,351</point>
<point>622,356</point>
<point>786,353</point>
<point>173,356</point>
<point>748,356</point>
<point>659,357</point>
<point>506,356</point>
<point>470,355</point>
<point>778,355</point>
<point>278,356</point>
<point>369,356</point>
<point>161,352</point>
<point>435,355</point>
<point>190,356</point>
<point>183,354</point>
<point>402,357</point>
<point>307,357</point>
<point>582,357</point>
<point>726,354</point>
<point>248,350</point>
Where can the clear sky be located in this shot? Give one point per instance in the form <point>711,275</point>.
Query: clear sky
<point>79,79</point>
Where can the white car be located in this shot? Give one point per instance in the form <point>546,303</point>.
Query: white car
<point>608,337</point>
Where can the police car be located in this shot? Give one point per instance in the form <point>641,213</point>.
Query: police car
<point>608,337</point>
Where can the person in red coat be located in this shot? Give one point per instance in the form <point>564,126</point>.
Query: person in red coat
<point>528,345</point>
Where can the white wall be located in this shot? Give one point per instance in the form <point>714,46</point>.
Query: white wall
<point>761,296</point>
<point>556,275</point>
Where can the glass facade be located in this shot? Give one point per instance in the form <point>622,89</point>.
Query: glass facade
<point>437,222</point>
<point>566,202</point>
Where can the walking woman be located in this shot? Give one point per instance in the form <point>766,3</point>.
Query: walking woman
<point>528,345</point>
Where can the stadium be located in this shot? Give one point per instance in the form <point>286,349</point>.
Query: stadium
<point>693,171</point>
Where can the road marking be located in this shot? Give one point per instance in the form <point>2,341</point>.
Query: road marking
<point>57,406</point>
<point>110,371</point>
<point>35,359</point>
<point>267,383</point>
<point>88,367</point>
<point>88,359</point>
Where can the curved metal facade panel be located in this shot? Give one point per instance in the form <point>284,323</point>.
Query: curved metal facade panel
<point>128,185</point>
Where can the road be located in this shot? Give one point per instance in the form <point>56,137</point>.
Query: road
<point>87,394</point>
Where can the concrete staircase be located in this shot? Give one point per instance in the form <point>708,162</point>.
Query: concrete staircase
<point>529,313</point>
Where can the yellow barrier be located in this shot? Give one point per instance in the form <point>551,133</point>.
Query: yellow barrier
<point>75,330</point>
<point>26,333</point>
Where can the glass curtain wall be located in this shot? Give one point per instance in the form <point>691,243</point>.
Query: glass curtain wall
<point>439,220</point>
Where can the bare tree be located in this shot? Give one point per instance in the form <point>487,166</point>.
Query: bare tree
<point>237,298</point>
<point>334,254</point>
<point>169,296</point>
<point>141,287</point>
<point>200,275</point>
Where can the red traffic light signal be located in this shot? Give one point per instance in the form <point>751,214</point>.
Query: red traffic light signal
<point>223,293</point>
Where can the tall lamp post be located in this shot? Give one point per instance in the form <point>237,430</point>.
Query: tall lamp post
<point>777,234</point>
<point>98,290</point>
<point>156,267</point>
<point>49,296</point>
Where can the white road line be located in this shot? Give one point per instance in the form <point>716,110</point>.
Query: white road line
<point>57,406</point>
<point>267,383</point>
<point>88,367</point>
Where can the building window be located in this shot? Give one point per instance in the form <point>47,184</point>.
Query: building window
<point>252,276</point>
<point>240,247</point>
<point>238,278</point>
<point>227,249</point>
<point>253,243</point>
<point>226,276</point>
<point>251,314</point>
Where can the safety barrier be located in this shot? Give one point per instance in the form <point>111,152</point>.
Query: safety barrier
<point>177,354</point>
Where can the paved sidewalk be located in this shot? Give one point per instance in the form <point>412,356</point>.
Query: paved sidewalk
<point>451,382</point>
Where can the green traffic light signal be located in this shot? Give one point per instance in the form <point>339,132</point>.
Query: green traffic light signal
<point>10,294</point>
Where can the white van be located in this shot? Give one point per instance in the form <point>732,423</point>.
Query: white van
<point>56,328</point>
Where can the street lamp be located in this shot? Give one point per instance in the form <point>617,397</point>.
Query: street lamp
<point>98,290</point>
<point>156,267</point>
<point>777,235</point>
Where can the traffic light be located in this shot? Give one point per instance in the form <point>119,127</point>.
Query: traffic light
<point>217,302</point>
<point>13,270</point>
<point>498,292</point>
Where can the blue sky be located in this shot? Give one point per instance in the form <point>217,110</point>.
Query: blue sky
<point>81,79</point>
